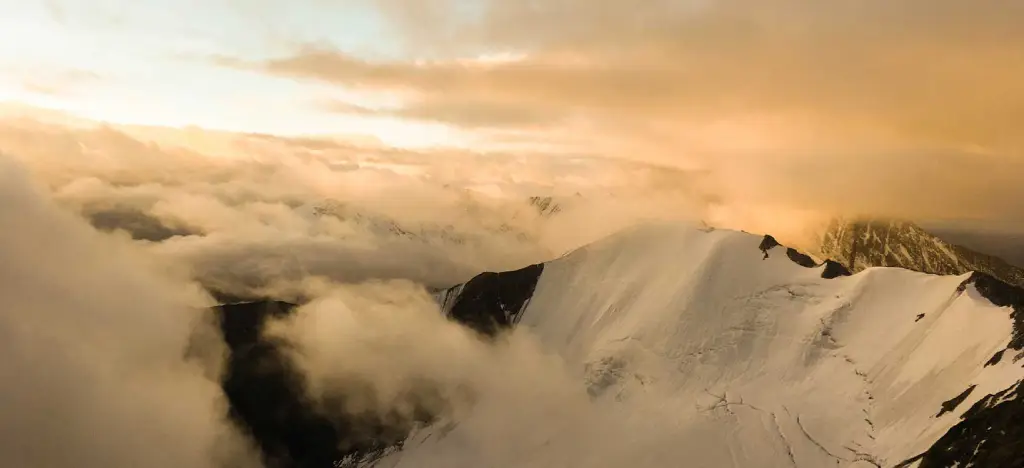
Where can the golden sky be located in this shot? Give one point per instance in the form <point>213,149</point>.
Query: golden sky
<point>916,104</point>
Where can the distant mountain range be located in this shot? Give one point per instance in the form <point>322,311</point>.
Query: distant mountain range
<point>869,243</point>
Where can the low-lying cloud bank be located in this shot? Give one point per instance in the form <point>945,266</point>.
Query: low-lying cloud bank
<point>383,352</point>
<point>245,212</point>
<point>112,234</point>
<point>768,117</point>
<point>843,107</point>
<point>95,334</point>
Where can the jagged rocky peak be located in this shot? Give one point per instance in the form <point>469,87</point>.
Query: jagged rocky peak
<point>832,268</point>
<point>865,243</point>
<point>491,302</point>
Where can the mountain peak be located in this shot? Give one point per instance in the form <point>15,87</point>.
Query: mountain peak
<point>865,243</point>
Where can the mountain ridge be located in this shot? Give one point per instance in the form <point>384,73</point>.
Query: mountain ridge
<point>965,286</point>
<point>493,302</point>
<point>864,243</point>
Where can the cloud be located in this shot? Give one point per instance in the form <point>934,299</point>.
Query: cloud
<point>95,335</point>
<point>365,231</point>
<point>56,82</point>
<point>469,113</point>
<point>937,73</point>
<point>764,116</point>
<point>905,110</point>
<point>383,352</point>
<point>247,214</point>
<point>353,335</point>
<point>239,209</point>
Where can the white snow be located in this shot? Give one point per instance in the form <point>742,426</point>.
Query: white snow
<point>698,353</point>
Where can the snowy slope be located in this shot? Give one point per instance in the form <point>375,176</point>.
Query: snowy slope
<point>677,346</point>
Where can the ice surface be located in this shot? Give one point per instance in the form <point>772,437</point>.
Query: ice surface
<point>684,347</point>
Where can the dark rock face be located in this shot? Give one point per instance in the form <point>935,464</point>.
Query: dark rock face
<point>832,269</point>
<point>267,398</point>
<point>996,358</point>
<point>877,243</point>
<point>951,404</point>
<point>140,225</point>
<point>768,243</point>
<point>491,302</point>
<point>800,259</point>
<point>267,394</point>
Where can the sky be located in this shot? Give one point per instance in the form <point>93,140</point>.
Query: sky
<point>651,79</point>
<point>146,62</point>
<point>271,148</point>
<point>791,102</point>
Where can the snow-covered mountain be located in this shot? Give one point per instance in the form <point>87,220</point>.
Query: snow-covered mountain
<point>670,345</point>
<point>713,354</point>
<point>871,243</point>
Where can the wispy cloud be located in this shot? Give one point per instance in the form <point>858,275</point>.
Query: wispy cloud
<point>914,107</point>
<point>54,82</point>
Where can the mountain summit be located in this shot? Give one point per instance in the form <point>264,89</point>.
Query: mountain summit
<point>727,349</point>
<point>869,243</point>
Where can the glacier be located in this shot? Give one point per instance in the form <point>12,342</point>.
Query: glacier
<point>679,346</point>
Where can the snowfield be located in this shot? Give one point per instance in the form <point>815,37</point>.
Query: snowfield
<point>669,345</point>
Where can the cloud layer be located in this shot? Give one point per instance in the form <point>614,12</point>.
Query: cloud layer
<point>936,73</point>
<point>385,352</point>
<point>95,336</point>
<point>767,116</point>
<point>245,210</point>
<point>867,107</point>
<point>248,213</point>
